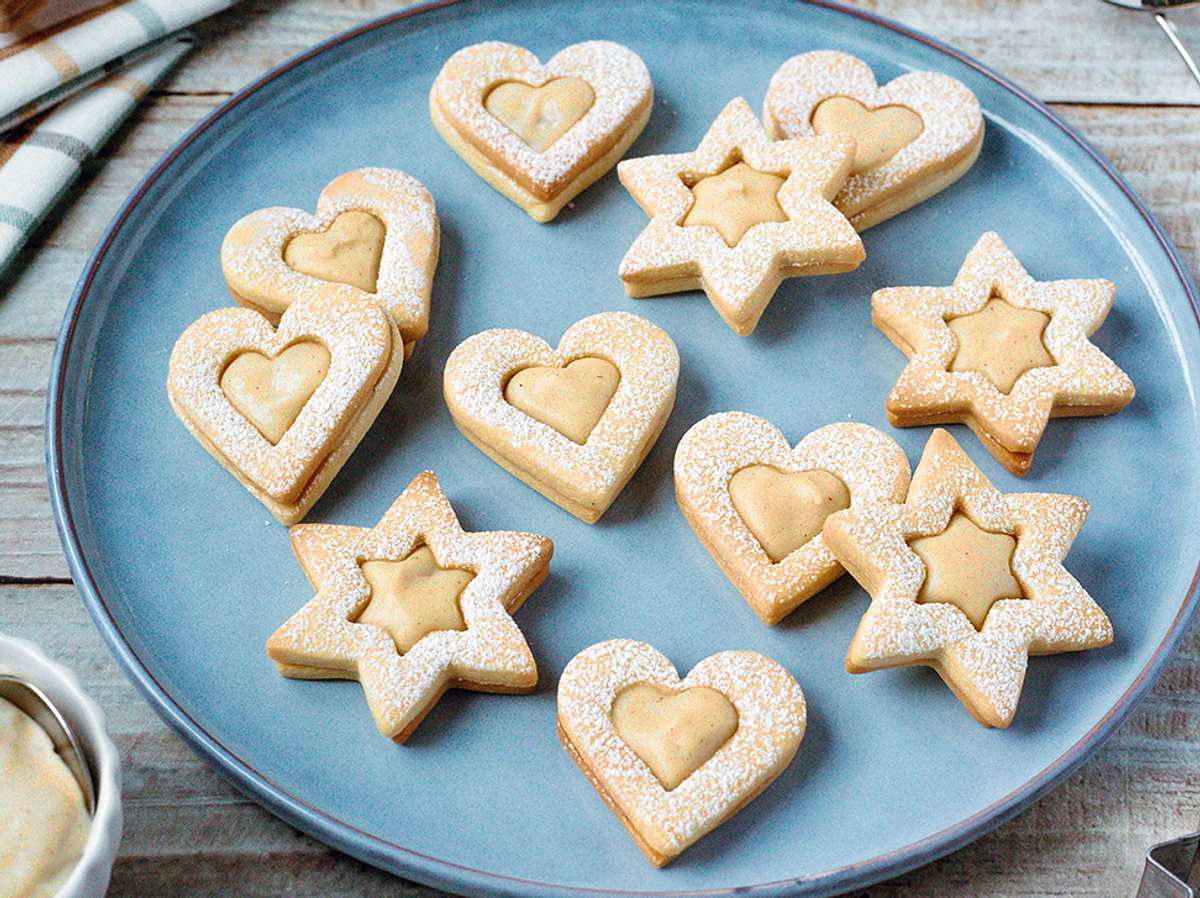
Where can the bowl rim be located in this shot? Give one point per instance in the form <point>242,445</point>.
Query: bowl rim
<point>439,872</point>
<point>94,868</point>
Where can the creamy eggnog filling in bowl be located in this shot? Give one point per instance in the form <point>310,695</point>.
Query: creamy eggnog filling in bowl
<point>50,845</point>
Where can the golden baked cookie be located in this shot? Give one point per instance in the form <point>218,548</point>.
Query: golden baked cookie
<point>1000,352</point>
<point>966,580</point>
<point>282,408</point>
<point>914,137</point>
<point>374,235</point>
<point>540,134</point>
<point>412,607</point>
<point>573,422</point>
<point>739,214</point>
<point>675,758</point>
<point>758,504</point>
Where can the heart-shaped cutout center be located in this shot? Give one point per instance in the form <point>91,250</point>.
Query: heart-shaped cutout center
<point>413,597</point>
<point>674,731</point>
<point>540,115</point>
<point>784,511</point>
<point>571,399</point>
<point>347,252</point>
<point>878,133</point>
<point>271,392</point>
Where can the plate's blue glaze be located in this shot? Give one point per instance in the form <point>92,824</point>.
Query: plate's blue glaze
<point>187,574</point>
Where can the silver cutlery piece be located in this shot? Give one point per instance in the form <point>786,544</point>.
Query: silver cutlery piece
<point>1172,869</point>
<point>1157,7</point>
<point>37,705</point>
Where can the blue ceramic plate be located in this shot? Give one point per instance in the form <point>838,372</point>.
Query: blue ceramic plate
<point>186,574</point>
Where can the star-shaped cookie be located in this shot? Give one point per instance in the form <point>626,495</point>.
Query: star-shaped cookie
<point>419,548</point>
<point>738,215</point>
<point>942,543</point>
<point>1000,352</point>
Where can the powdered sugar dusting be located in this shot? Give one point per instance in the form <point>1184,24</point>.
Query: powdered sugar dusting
<point>619,80</point>
<point>740,280</point>
<point>953,123</point>
<point>870,463</point>
<point>490,652</point>
<point>771,722</point>
<point>252,252</point>
<point>1082,377</point>
<point>593,473</point>
<point>987,667</point>
<point>359,337</point>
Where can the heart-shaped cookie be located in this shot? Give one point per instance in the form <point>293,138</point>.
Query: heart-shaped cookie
<point>538,133</point>
<point>374,236</point>
<point>283,408</point>
<point>583,478</point>
<point>916,135</point>
<point>758,504</point>
<point>608,722</point>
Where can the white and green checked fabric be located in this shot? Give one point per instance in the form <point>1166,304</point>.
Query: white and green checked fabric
<point>75,85</point>
<point>41,69</point>
<point>40,160</point>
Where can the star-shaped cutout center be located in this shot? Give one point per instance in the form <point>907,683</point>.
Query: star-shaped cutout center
<point>735,200</point>
<point>413,597</point>
<point>968,567</point>
<point>1001,342</point>
<point>413,606</point>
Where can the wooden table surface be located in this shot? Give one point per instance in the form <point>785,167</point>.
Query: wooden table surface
<point>1109,72</point>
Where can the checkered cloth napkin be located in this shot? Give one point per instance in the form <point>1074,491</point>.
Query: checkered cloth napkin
<point>66,84</point>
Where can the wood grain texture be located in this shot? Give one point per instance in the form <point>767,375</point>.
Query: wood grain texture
<point>188,833</point>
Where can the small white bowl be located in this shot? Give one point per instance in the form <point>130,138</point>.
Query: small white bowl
<point>91,875</point>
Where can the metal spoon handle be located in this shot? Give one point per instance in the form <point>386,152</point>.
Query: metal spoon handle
<point>1173,36</point>
<point>34,703</point>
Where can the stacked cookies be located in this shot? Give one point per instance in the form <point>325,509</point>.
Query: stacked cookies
<point>282,390</point>
<point>964,579</point>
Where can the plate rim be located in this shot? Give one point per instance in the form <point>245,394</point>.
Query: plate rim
<point>438,872</point>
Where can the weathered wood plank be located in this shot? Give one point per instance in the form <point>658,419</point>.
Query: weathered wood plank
<point>30,543</point>
<point>188,833</point>
<point>1157,151</point>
